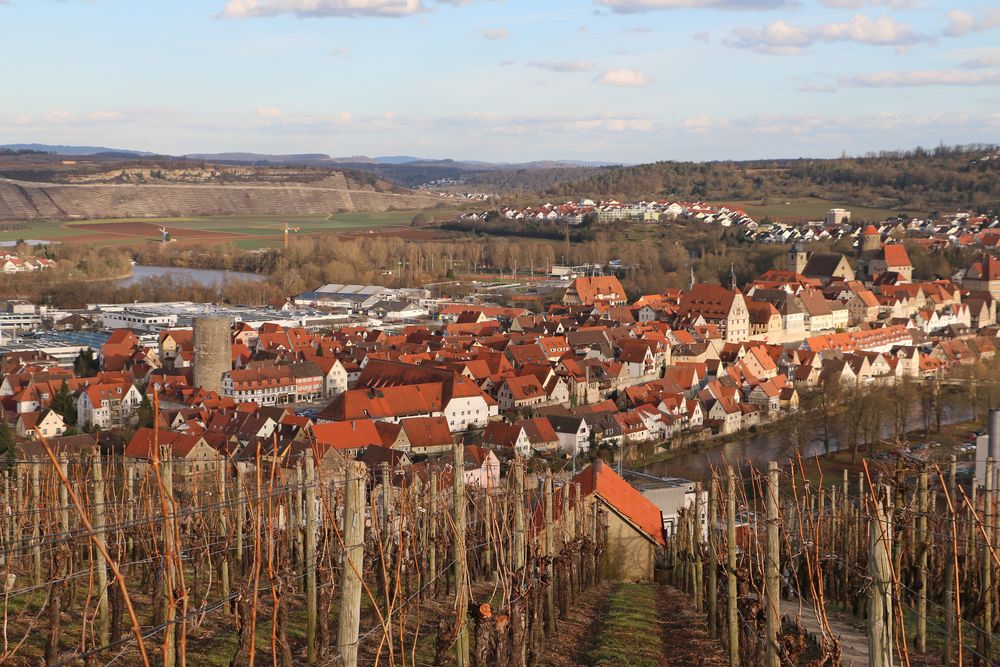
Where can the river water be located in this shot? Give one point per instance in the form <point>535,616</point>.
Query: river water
<point>757,449</point>
<point>208,277</point>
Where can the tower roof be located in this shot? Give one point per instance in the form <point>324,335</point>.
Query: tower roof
<point>871,231</point>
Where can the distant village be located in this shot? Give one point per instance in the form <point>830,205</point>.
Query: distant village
<point>957,229</point>
<point>11,263</point>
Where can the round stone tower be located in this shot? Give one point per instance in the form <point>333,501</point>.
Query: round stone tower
<point>212,352</point>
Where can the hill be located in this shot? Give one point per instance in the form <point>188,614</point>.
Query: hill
<point>73,150</point>
<point>43,188</point>
<point>959,177</point>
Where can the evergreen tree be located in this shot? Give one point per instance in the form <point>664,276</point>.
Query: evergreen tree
<point>85,364</point>
<point>63,404</point>
<point>145,415</point>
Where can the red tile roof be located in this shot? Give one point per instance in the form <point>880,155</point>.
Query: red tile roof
<point>353,434</point>
<point>600,479</point>
<point>895,255</point>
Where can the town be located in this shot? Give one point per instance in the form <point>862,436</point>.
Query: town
<point>438,333</point>
<point>592,371</point>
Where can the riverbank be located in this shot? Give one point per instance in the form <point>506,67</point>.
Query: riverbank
<point>207,277</point>
<point>695,460</point>
<point>106,279</point>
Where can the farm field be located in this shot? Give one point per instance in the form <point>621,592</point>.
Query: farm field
<point>245,232</point>
<point>811,208</point>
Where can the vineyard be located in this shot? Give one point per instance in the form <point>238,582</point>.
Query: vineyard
<point>172,562</point>
<point>275,561</point>
<point>880,570</point>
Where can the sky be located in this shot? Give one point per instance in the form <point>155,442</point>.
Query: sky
<point>623,81</point>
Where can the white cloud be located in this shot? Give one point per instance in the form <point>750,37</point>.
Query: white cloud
<point>636,6</point>
<point>624,77</point>
<point>922,78</point>
<point>983,60</point>
<point>783,38</point>
<point>961,23</point>
<point>858,4</point>
<point>268,112</point>
<point>340,52</point>
<point>815,88</point>
<point>562,65</point>
<point>496,33</point>
<point>241,9</point>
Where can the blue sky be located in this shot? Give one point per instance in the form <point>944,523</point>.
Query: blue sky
<point>513,80</point>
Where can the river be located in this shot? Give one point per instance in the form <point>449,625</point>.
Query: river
<point>208,277</point>
<point>757,449</point>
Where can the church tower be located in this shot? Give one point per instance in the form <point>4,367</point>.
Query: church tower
<point>872,241</point>
<point>798,258</point>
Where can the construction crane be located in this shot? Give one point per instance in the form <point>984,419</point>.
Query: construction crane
<point>164,234</point>
<point>284,228</point>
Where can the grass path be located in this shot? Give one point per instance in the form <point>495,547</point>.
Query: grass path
<point>634,625</point>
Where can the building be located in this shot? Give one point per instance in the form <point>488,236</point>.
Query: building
<point>984,276</point>
<point>521,392</point>
<point>336,295</point>
<point>273,385</point>
<point>634,523</point>
<point>433,392</point>
<point>107,405</point>
<point>350,438</point>
<point>725,308</point>
<point>194,460</point>
<point>669,494</point>
<point>588,291</point>
<point>827,266</point>
<point>891,258</point>
<point>838,216</point>
<point>482,467</point>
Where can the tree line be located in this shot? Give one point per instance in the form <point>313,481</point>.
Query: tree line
<point>930,179</point>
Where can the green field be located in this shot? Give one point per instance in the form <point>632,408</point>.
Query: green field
<point>247,232</point>
<point>812,208</point>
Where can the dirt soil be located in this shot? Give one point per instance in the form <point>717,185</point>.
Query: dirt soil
<point>685,633</point>
<point>576,634</point>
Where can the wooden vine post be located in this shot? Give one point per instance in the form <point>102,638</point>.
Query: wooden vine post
<point>103,620</point>
<point>353,531</point>
<point>713,560</point>
<point>220,472</point>
<point>987,563</point>
<point>309,556</point>
<point>550,593</point>
<point>949,570</point>
<point>461,566</point>
<point>731,609</point>
<point>772,585</point>
<point>921,540</point>
<point>880,594</point>
<point>517,562</point>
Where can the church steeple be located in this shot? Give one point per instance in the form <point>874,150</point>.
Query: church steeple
<point>798,257</point>
<point>732,277</point>
<point>691,281</point>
